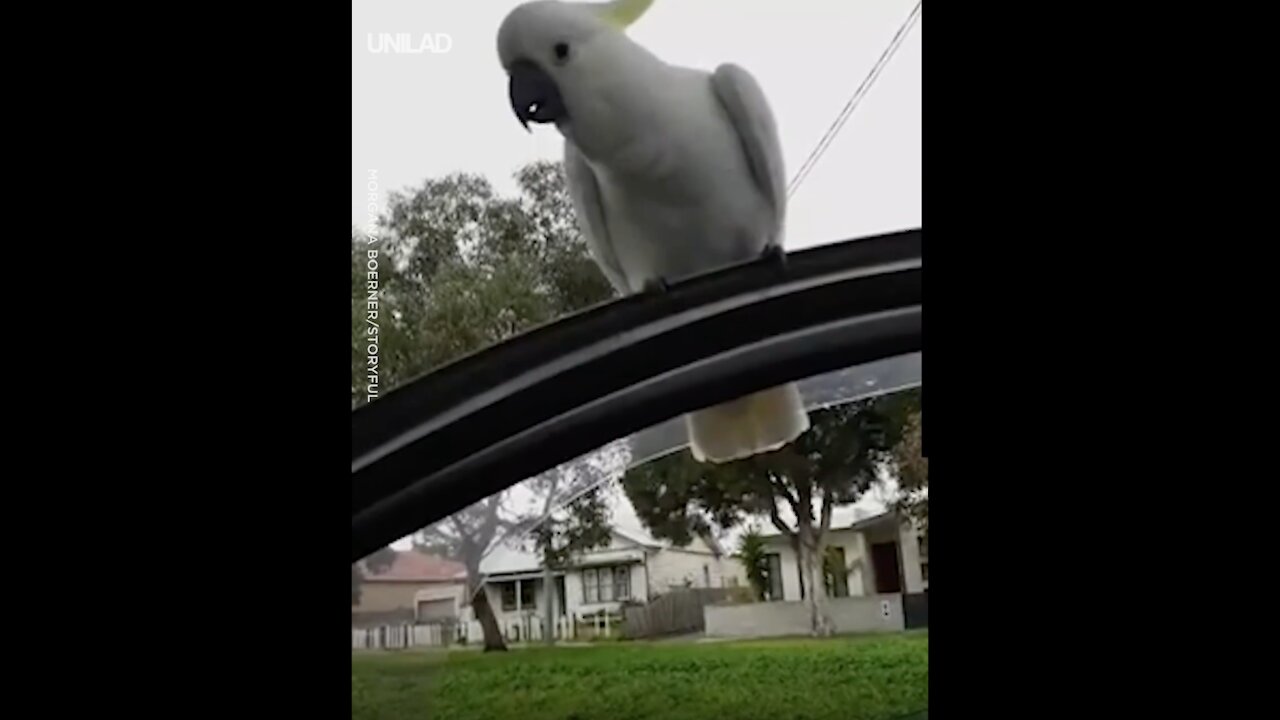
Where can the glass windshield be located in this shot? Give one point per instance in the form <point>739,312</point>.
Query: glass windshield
<point>635,548</point>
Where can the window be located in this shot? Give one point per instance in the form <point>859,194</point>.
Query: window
<point>706,576</point>
<point>606,584</point>
<point>924,572</point>
<point>773,579</point>
<point>836,572</point>
<point>622,583</point>
<point>528,596</point>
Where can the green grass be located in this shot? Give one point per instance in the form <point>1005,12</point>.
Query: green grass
<point>850,677</point>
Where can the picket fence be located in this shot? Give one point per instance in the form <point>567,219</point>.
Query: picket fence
<point>514,630</point>
<point>403,637</point>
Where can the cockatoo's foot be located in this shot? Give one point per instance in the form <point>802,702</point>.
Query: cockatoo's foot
<point>655,286</point>
<point>776,256</point>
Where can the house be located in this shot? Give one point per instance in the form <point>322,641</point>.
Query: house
<point>416,587</point>
<point>882,584</point>
<point>880,554</point>
<point>633,567</point>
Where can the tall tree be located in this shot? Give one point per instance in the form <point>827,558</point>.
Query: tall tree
<point>908,493</point>
<point>913,474</point>
<point>459,268</point>
<point>574,516</point>
<point>385,320</point>
<point>467,536</point>
<point>568,516</point>
<point>832,464</point>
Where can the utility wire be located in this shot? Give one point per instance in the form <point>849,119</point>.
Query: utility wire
<point>854,100</point>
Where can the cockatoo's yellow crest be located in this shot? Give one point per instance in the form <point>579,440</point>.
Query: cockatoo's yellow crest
<point>622,13</point>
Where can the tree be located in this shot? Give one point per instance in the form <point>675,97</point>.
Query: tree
<point>833,568</point>
<point>569,518</point>
<point>913,474</point>
<point>908,494</point>
<point>756,562</point>
<point>582,525</point>
<point>833,463</point>
<point>573,278</point>
<point>376,562</point>
<point>459,268</point>
<point>384,320</point>
<point>467,536</point>
<point>574,517</point>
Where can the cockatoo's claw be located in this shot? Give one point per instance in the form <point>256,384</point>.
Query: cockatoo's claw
<point>775,255</point>
<point>655,286</point>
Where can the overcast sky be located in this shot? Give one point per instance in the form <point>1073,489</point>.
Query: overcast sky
<point>415,116</point>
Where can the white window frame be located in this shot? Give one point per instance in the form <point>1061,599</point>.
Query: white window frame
<point>601,584</point>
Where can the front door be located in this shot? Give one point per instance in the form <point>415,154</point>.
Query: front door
<point>884,561</point>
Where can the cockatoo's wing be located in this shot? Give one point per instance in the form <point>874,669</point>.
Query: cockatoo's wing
<point>585,193</point>
<point>753,120</point>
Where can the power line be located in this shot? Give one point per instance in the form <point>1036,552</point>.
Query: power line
<point>854,100</point>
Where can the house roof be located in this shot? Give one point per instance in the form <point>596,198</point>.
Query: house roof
<point>638,537</point>
<point>507,558</point>
<point>844,518</point>
<point>878,519</point>
<point>414,566</point>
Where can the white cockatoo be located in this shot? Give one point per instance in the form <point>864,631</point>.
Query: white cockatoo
<point>673,172</point>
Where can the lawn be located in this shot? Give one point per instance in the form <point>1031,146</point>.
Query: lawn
<point>851,677</point>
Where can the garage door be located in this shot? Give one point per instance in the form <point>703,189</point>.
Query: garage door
<point>436,610</point>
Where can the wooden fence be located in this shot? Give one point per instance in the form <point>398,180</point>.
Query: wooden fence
<point>677,612</point>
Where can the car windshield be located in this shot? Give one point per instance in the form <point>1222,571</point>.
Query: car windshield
<point>660,570</point>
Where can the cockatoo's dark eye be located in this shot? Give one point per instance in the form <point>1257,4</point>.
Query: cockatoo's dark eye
<point>562,51</point>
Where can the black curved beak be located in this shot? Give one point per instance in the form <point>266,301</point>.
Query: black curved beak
<point>534,95</point>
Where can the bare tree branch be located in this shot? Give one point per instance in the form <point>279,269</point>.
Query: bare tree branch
<point>777,522</point>
<point>779,486</point>
<point>551,496</point>
<point>775,518</point>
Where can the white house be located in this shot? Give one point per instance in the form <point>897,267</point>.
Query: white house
<point>880,554</point>
<point>632,567</point>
